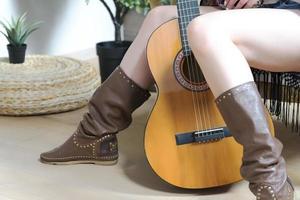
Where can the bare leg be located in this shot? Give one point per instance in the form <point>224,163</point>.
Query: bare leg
<point>225,42</point>
<point>135,63</point>
<point>110,108</point>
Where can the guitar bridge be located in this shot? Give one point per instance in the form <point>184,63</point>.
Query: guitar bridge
<point>204,136</point>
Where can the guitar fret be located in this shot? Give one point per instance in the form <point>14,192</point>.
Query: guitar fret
<point>187,11</point>
<point>189,8</point>
<point>183,29</point>
<point>185,16</point>
<point>184,3</point>
<point>196,8</point>
<point>184,33</point>
<point>191,14</point>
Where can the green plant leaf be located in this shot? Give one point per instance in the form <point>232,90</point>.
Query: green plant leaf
<point>5,25</point>
<point>5,35</point>
<point>13,22</point>
<point>26,34</point>
<point>20,24</point>
<point>17,31</point>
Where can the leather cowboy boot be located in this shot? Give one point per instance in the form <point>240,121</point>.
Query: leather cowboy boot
<point>262,164</point>
<point>109,111</point>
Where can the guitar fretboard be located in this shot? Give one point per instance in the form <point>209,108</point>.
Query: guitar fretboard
<point>187,10</point>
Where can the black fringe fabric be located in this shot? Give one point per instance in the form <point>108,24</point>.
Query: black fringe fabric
<point>281,95</point>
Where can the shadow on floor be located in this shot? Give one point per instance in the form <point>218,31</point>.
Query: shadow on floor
<point>137,168</point>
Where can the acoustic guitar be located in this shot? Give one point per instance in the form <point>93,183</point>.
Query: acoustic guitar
<point>186,140</point>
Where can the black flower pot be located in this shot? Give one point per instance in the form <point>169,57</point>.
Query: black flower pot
<point>16,53</point>
<point>110,55</point>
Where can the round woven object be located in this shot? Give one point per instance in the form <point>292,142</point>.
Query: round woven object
<point>45,84</point>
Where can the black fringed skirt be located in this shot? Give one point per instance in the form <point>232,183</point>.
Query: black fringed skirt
<point>283,4</point>
<point>281,90</point>
<point>281,95</point>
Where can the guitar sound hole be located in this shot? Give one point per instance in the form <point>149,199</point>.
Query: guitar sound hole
<point>191,71</point>
<point>188,73</point>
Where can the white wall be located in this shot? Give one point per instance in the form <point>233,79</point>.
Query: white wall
<point>70,26</point>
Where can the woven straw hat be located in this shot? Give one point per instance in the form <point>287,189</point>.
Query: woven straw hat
<point>45,84</point>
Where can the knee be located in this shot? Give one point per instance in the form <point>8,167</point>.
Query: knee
<point>161,14</point>
<point>203,34</point>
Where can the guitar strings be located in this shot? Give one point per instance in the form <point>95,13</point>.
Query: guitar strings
<point>182,29</point>
<point>190,16</point>
<point>194,5</point>
<point>194,76</point>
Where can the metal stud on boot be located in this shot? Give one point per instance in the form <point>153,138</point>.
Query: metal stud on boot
<point>262,165</point>
<point>109,111</point>
<point>266,191</point>
<point>81,148</point>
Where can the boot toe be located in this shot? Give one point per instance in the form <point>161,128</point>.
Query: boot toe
<point>49,156</point>
<point>82,149</point>
<point>267,192</point>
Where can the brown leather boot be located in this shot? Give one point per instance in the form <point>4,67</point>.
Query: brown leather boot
<point>109,111</point>
<point>263,166</point>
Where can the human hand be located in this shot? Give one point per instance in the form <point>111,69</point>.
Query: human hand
<point>238,4</point>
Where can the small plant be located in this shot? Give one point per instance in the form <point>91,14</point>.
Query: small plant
<point>17,31</point>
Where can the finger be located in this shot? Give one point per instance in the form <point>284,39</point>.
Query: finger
<point>221,4</point>
<point>250,4</point>
<point>230,4</point>
<point>240,4</point>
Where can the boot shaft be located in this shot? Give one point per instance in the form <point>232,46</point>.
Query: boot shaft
<point>246,118</point>
<point>112,104</point>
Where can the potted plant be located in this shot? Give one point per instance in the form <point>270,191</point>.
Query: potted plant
<point>110,53</point>
<point>16,32</point>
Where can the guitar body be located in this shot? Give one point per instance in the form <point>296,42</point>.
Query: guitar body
<point>194,165</point>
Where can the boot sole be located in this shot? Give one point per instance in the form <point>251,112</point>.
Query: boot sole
<point>96,162</point>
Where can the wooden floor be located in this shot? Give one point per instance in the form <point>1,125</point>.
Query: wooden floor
<point>23,177</point>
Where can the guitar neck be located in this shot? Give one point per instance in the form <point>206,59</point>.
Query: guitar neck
<point>187,10</point>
